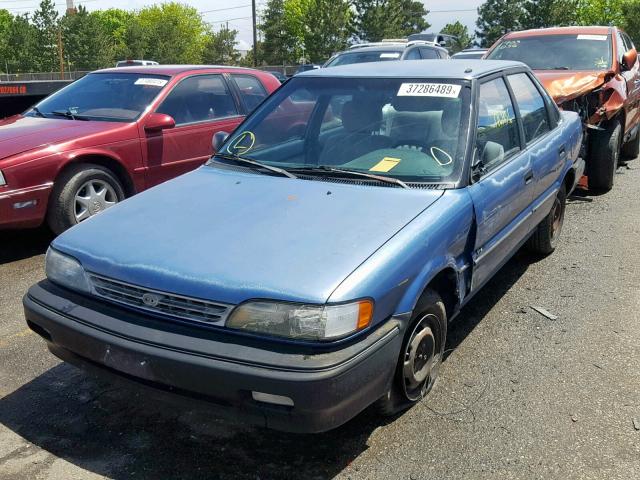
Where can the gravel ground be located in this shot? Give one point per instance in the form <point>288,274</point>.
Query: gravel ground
<point>520,395</point>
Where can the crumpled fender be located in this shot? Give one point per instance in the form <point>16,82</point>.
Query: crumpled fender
<point>612,86</point>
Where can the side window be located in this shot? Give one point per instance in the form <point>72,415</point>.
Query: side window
<point>198,99</point>
<point>497,135</point>
<point>251,90</point>
<point>622,48</point>
<point>414,54</point>
<point>628,42</point>
<point>429,53</point>
<point>533,111</point>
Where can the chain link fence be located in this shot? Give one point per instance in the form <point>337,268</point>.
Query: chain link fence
<point>40,76</point>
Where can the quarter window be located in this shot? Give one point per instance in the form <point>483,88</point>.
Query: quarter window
<point>198,99</point>
<point>497,134</point>
<point>413,54</point>
<point>533,110</point>
<point>251,90</point>
<point>429,53</point>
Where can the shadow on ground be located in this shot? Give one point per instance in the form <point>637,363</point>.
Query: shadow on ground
<point>121,433</point>
<point>20,244</point>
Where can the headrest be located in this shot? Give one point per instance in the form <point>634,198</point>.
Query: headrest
<point>361,116</point>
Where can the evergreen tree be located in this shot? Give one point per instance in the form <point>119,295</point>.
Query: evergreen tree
<point>378,19</point>
<point>329,28</point>
<point>461,33</point>
<point>45,20</point>
<point>549,13</point>
<point>497,17</point>
<point>279,45</point>
<point>221,47</point>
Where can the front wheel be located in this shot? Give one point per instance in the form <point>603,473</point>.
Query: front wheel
<point>82,192</point>
<point>604,156</point>
<point>545,237</point>
<point>421,355</point>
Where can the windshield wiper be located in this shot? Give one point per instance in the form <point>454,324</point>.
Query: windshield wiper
<point>380,178</point>
<point>37,111</point>
<point>255,163</point>
<point>68,114</point>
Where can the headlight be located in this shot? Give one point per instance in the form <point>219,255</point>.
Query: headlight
<point>2,180</point>
<point>66,271</point>
<point>304,322</point>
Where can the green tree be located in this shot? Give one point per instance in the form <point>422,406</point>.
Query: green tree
<point>87,44</point>
<point>23,46</point>
<point>378,19</point>
<point>173,33</point>
<point>328,28</point>
<point>600,12</point>
<point>45,19</point>
<point>549,13</point>
<point>461,33</point>
<point>280,41</point>
<point>631,24</point>
<point>6,22</point>
<point>497,17</point>
<point>221,47</point>
<point>124,32</point>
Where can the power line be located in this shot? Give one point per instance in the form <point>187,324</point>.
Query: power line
<point>227,8</point>
<point>82,2</point>
<point>231,19</point>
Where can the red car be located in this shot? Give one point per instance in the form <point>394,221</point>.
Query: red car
<point>114,133</point>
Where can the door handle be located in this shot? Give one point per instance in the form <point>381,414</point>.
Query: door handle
<point>562,152</point>
<point>528,177</point>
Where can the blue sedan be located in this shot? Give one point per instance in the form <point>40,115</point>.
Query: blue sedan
<point>312,267</point>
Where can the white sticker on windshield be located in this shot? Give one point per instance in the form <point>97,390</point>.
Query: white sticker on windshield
<point>447,90</point>
<point>600,38</point>
<point>390,55</point>
<point>151,82</point>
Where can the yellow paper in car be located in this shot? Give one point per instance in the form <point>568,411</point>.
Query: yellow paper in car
<point>384,165</point>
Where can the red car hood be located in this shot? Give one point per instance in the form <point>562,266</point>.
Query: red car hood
<point>20,134</point>
<point>566,85</point>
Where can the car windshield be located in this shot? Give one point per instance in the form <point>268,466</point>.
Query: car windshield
<point>363,57</point>
<point>113,97</point>
<point>557,52</point>
<point>409,129</point>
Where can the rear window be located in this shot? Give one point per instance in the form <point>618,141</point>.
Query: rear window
<point>363,57</point>
<point>557,52</point>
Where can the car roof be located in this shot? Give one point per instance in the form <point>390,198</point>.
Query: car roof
<point>587,30</point>
<point>169,69</point>
<point>463,69</point>
<point>391,47</point>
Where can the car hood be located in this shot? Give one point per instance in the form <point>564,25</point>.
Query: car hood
<point>229,236</point>
<point>19,134</point>
<point>567,85</point>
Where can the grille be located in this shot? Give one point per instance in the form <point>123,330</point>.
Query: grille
<point>163,303</point>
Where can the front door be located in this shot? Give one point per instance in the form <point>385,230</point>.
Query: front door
<point>201,105</point>
<point>503,190</point>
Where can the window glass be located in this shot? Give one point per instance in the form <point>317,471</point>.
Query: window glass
<point>556,52</point>
<point>622,48</point>
<point>251,90</point>
<point>497,136</point>
<point>109,97</point>
<point>533,110</point>
<point>429,53</point>
<point>406,128</point>
<point>198,99</point>
<point>349,58</point>
<point>414,54</point>
<point>628,42</point>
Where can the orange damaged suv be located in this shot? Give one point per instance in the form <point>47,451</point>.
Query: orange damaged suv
<point>593,71</point>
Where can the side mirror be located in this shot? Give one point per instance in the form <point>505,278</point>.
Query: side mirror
<point>629,59</point>
<point>157,122</point>
<point>218,140</point>
<point>442,43</point>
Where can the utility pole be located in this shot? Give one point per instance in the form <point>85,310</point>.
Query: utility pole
<point>60,54</point>
<point>255,34</point>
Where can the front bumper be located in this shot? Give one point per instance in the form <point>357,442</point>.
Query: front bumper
<point>24,207</point>
<point>327,387</point>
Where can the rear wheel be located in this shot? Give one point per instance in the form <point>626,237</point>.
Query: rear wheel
<point>421,355</point>
<point>604,156</point>
<point>545,237</point>
<point>82,192</point>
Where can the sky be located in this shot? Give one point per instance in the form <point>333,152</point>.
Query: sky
<point>238,12</point>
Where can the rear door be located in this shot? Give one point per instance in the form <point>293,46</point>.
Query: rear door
<point>544,143</point>
<point>250,90</point>
<point>503,188</point>
<point>201,105</point>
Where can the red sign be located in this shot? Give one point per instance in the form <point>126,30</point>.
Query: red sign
<point>13,89</point>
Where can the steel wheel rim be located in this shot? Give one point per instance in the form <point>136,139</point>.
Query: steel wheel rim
<point>93,197</point>
<point>421,360</point>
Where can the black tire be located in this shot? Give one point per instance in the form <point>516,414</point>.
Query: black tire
<point>544,238</point>
<point>603,157</point>
<point>425,336</point>
<point>61,213</point>
<point>631,149</point>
